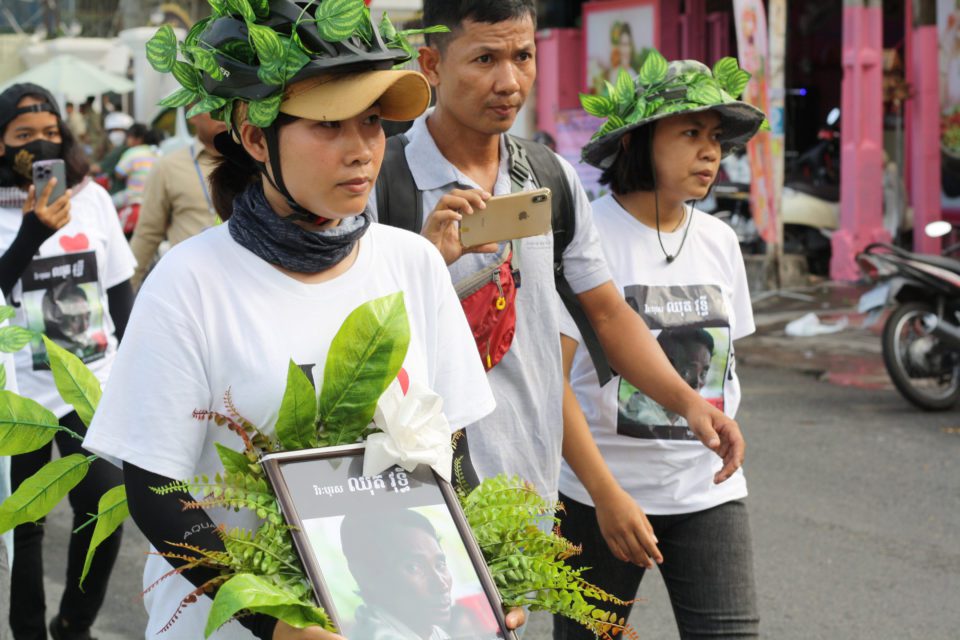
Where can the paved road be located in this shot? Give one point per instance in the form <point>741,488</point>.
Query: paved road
<point>855,505</point>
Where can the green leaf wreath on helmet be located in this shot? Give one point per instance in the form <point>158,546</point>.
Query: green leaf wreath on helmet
<point>277,41</point>
<point>667,88</point>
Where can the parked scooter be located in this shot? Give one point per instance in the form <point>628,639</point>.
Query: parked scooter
<point>921,336</point>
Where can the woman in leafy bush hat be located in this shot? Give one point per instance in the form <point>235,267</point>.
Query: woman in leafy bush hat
<point>303,88</point>
<point>682,270</point>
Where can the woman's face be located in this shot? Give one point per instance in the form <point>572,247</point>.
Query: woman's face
<point>27,127</point>
<point>330,167</point>
<point>625,46</point>
<point>686,152</point>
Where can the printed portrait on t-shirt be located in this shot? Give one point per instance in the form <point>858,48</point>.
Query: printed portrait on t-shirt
<point>61,299</point>
<point>692,327</point>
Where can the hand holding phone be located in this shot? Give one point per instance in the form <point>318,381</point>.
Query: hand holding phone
<point>508,217</point>
<point>49,198</point>
<point>442,225</point>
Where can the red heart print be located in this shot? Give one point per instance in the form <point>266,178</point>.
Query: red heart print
<point>78,242</point>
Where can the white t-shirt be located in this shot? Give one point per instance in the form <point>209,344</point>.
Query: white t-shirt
<point>696,306</point>
<point>63,292</point>
<point>524,435</point>
<point>213,319</point>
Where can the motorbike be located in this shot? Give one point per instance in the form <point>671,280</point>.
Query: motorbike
<point>921,336</point>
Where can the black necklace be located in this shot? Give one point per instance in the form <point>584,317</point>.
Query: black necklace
<point>671,258</point>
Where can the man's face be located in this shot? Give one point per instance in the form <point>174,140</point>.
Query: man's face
<point>484,74</point>
<point>416,586</point>
<point>695,371</point>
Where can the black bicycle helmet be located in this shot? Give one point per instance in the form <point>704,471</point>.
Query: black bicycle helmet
<point>250,50</point>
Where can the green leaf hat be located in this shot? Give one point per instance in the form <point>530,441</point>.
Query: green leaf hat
<point>252,50</point>
<point>665,89</point>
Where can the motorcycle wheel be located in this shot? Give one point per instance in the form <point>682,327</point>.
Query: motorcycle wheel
<point>924,370</point>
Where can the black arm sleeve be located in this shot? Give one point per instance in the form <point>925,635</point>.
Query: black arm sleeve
<point>14,262</point>
<point>120,299</point>
<point>163,520</point>
<point>467,480</point>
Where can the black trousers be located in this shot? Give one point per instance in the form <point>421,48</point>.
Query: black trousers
<point>80,608</point>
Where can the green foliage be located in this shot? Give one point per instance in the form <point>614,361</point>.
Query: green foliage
<point>112,510</point>
<point>40,493</point>
<point>179,98</point>
<point>363,360</point>
<point>297,421</point>
<point>77,385</point>
<point>25,425</point>
<point>6,313</point>
<point>528,565</point>
<point>263,112</point>
<point>208,104</point>
<point>254,593</point>
<point>338,19</point>
<point>14,338</point>
<point>3,377</point>
<point>162,49</point>
<point>655,94</point>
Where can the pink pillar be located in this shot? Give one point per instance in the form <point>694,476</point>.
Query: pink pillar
<point>924,150</point>
<point>861,137</point>
<point>559,75</point>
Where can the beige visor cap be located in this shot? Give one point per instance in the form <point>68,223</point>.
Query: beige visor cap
<point>402,95</point>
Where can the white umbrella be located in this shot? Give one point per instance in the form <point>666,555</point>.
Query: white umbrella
<point>69,76</point>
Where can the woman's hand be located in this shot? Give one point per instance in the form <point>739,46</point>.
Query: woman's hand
<point>283,631</point>
<point>626,529</point>
<point>53,215</point>
<point>441,228</point>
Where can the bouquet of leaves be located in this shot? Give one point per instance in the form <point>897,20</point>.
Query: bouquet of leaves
<point>258,570</point>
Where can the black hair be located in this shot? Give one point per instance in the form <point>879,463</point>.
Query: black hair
<point>362,534</point>
<point>633,168</point>
<point>453,13</point>
<point>677,343</point>
<point>236,171</point>
<point>74,160</point>
<point>143,132</point>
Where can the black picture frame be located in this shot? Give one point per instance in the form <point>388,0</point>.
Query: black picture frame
<point>320,490</point>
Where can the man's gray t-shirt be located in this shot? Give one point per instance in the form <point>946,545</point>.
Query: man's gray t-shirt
<point>524,434</point>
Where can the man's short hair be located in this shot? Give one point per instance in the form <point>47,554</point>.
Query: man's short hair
<point>362,536</point>
<point>453,13</point>
<point>633,168</point>
<point>678,344</point>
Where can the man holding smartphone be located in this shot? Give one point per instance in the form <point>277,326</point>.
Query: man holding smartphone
<point>458,155</point>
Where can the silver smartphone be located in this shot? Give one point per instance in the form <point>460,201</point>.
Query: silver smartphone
<point>43,171</point>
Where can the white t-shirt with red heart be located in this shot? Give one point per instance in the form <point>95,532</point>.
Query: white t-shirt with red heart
<point>63,291</point>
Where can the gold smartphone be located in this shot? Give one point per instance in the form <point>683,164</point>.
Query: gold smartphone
<point>517,215</point>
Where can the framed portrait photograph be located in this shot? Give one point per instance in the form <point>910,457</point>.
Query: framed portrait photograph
<point>616,34</point>
<point>390,557</point>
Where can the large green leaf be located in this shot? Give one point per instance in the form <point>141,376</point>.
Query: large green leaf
<point>187,76</point>
<point>626,90</point>
<point>7,312</point>
<point>40,493</point>
<point>14,338</point>
<point>267,43</point>
<point>75,382</point>
<point>24,424</point>
<point>705,93</point>
<point>598,106</point>
<point>654,68</point>
<point>243,8</point>
<point>162,49</point>
<point>297,422</point>
<point>271,73</point>
<point>248,592</point>
<point>233,461</point>
<point>198,28</point>
<point>262,113</point>
<point>294,58</point>
<point>3,376</point>
<point>363,360</point>
<point>387,30</point>
<point>208,104</point>
<point>179,98</point>
<point>205,60</point>
<point>725,69</point>
<point>338,19</point>
<point>261,7</point>
<point>111,512</point>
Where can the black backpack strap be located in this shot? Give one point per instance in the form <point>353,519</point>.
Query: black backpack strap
<point>399,202</point>
<point>548,172</point>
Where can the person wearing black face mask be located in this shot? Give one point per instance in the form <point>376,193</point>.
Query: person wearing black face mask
<point>71,244</point>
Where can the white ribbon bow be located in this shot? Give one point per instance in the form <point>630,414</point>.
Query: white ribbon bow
<point>414,431</point>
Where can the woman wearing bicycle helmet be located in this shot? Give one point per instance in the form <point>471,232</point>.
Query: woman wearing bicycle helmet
<point>226,311</point>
